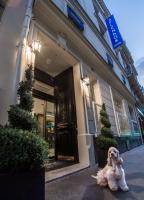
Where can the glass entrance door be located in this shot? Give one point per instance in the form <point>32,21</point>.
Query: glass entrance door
<point>55,110</point>
<point>39,113</point>
<point>50,128</point>
<point>44,112</point>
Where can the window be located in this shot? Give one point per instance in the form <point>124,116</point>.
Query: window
<point>121,116</point>
<point>123,79</point>
<point>128,70</point>
<point>133,120</point>
<point>72,15</point>
<point>132,114</point>
<point>109,60</point>
<point>118,105</point>
<point>102,27</point>
<point>2,7</point>
<point>100,18</point>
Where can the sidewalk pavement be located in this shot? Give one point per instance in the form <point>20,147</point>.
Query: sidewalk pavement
<point>81,186</point>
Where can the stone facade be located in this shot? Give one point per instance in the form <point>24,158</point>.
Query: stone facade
<point>88,52</point>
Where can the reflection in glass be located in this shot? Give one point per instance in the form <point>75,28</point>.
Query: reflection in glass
<point>45,115</point>
<point>50,128</point>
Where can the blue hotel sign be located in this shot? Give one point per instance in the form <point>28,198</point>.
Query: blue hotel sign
<point>75,18</point>
<point>114,32</point>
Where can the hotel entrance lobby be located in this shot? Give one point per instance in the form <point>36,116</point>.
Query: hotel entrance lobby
<point>54,102</point>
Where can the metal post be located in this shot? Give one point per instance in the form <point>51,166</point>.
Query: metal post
<point>23,38</point>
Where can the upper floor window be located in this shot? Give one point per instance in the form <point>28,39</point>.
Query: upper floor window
<point>123,79</point>
<point>102,26</point>
<point>118,102</point>
<point>74,17</point>
<point>128,70</point>
<point>109,60</point>
<point>132,113</point>
<point>2,7</point>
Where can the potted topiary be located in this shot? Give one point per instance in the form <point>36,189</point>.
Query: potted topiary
<point>105,140</point>
<point>22,156</point>
<point>22,151</point>
<point>20,115</point>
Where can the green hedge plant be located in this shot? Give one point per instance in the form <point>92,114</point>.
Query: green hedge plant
<point>20,118</point>
<point>21,150</point>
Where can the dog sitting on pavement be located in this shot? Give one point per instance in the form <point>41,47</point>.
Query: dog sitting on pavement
<point>113,173</point>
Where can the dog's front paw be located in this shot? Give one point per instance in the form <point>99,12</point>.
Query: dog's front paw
<point>114,189</point>
<point>125,189</point>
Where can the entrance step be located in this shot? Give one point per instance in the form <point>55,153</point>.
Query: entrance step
<point>59,173</point>
<point>57,165</point>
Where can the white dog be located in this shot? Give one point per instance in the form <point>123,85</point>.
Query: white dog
<point>112,174</point>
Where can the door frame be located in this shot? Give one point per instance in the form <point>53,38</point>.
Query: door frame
<point>47,79</point>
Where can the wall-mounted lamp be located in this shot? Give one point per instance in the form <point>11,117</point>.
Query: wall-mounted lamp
<point>36,46</point>
<point>86,80</point>
<point>28,55</point>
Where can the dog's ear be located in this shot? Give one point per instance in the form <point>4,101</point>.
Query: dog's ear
<point>109,161</point>
<point>118,156</point>
<point>120,161</point>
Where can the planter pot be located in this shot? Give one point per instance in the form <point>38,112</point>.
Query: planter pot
<point>23,186</point>
<point>102,157</point>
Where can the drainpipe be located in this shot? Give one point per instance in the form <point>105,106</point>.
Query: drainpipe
<point>23,37</point>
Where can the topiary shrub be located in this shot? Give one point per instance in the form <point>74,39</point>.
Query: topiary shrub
<point>20,118</point>
<point>25,90</point>
<point>21,150</point>
<point>20,115</point>
<point>105,143</point>
<point>106,126</point>
<point>106,139</point>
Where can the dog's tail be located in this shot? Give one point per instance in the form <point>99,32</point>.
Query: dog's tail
<point>95,177</point>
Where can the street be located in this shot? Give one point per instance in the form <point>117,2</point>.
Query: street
<point>81,186</point>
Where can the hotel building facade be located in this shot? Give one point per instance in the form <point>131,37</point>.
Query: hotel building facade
<point>76,70</point>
